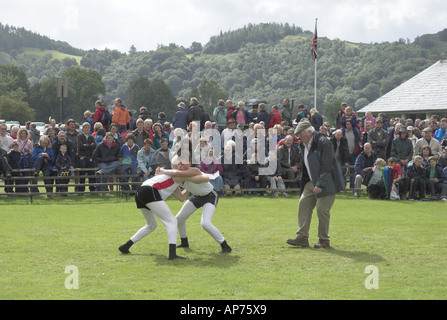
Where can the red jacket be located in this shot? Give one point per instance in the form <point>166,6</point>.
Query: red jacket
<point>275,118</point>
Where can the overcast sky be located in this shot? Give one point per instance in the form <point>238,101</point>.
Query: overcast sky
<point>118,24</point>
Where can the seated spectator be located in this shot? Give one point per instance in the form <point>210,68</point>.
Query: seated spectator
<point>275,178</point>
<point>425,154</point>
<point>63,164</point>
<point>428,140</point>
<point>398,178</point>
<point>140,134</point>
<point>289,161</point>
<point>117,136</point>
<point>442,161</point>
<point>159,134</point>
<point>161,156</point>
<point>252,175</point>
<point>416,174</point>
<point>366,159</point>
<point>279,133</point>
<point>435,178</point>
<point>213,168</point>
<point>107,155</point>
<point>376,186</point>
<point>43,159</point>
<point>86,146</point>
<point>129,162</point>
<point>231,171</point>
<point>200,152</point>
<point>145,157</point>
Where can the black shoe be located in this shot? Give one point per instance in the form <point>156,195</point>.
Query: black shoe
<point>225,247</point>
<point>184,243</point>
<point>172,253</point>
<point>125,247</point>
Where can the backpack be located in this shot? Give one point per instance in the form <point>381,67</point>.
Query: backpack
<point>105,118</point>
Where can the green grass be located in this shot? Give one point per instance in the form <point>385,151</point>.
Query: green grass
<point>405,240</point>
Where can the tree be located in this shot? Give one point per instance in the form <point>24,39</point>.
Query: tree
<point>85,85</point>
<point>13,82</point>
<point>209,94</point>
<point>15,110</point>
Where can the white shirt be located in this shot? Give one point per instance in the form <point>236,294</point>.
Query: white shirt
<point>198,189</point>
<point>306,153</point>
<point>163,183</point>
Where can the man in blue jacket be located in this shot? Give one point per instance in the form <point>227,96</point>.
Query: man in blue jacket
<point>180,119</point>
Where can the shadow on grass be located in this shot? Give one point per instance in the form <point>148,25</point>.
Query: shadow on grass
<point>200,259</point>
<point>359,256</point>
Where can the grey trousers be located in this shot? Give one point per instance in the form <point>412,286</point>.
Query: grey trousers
<point>308,202</point>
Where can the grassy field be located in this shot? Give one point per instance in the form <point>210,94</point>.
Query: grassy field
<point>405,241</point>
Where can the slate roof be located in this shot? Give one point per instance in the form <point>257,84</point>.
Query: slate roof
<point>426,91</point>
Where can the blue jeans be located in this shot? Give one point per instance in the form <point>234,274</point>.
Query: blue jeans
<point>107,168</point>
<point>129,169</point>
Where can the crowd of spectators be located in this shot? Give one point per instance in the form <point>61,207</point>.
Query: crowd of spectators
<point>232,145</point>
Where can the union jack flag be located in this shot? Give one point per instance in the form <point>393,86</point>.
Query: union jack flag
<point>314,44</point>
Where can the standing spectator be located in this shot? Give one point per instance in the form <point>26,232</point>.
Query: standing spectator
<point>241,115</point>
<point>5,139</point>
<point>148,128</point>
<point>341,150</point>
<point>194,111</point>
<point>316,119</point>
<point>145,157</point>
<point>88,118</point>
<point>144,114</point>
<point>86,146</point>
<point>289,161</point>
<point>263,115</point>
<point>43,158</point>
<point>120,115</point>
<point>302,114</point>
<point>378,138</point>
<point>230,108</point>
<point>140,134</point>
<point>340,114</point>
<point>102,115</point>
<point>180,119</point>
<point>402,148</point>
<point>63,164</point>
<point>321,180</point>
<point>369,117</point>
<point>232,171</point>
<point>161,118</point>
<point>286,114</point>
<point>220,115</point>
<point>351,138</point>
<point>13,162</point>
<point>5,168</point>
<point>275,117</point>
<point>34,133</point>
<point>129,161</point>
<point>13,132</point>
<point>133,122</point>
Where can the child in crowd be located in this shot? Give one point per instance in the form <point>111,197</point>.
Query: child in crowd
<point>376,186</point>
<point>129,162</point>
<point>398,178</point>
<point>63,163</point>
<point>416,174</point>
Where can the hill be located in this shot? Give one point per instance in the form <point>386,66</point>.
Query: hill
<point>269,61</point>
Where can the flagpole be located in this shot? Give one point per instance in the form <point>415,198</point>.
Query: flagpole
<point>315,80</point>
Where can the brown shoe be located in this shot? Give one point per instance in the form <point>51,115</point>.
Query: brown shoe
<point>298,241</point>
<point>322,244</point>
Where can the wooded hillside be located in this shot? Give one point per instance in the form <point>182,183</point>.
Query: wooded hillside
<point>266,61</point>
